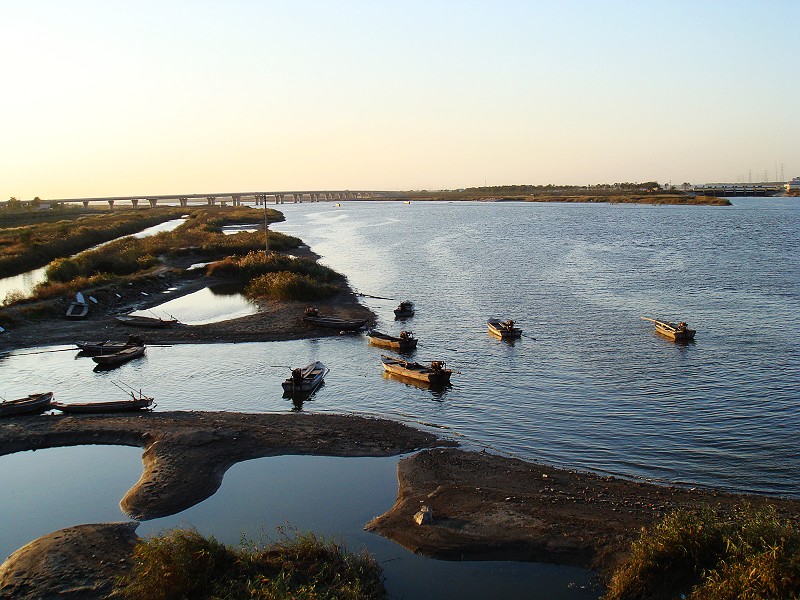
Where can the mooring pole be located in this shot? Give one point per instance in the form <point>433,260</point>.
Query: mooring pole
<point>266,229</point>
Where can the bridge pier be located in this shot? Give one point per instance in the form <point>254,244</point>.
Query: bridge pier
<point>135,202</point>
<point>182,201</point>
<point>237,200</point>
<point>85,204</point>
<point>111,204</point>
<point>212,200</point>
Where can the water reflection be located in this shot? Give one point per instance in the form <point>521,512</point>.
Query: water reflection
<point>437,391</point>
<point>209,305</point>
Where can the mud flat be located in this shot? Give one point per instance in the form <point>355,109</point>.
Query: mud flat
<point>480,506</point>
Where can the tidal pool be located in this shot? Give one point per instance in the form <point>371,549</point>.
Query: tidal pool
<point>263,499</point>
<point>209,305</point>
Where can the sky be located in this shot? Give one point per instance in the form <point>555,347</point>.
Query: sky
<point>114,98</point>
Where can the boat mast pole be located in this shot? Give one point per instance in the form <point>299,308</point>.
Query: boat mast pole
<point>266,229</point>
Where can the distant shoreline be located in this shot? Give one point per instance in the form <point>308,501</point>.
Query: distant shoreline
<point>651,199</point>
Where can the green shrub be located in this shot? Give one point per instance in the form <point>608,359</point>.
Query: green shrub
<point>183,564</point>
<point>704,556</point>
<point>284,285</point>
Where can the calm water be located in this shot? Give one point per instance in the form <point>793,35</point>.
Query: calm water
<point>334,497</point>
<point>590,386</point>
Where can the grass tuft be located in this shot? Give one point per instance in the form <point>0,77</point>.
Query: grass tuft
<point>704,555</point>
<point>183,564</point>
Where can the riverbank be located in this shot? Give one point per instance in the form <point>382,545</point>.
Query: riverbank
<point>481,506</point>
<point>42,322</point>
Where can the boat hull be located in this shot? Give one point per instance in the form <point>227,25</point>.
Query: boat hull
<point>77,310</point>
<point>311,377</point>
<point>35,403</point>
<point>152,322</point>
<point>502,331</point>
<point>336,323</point>
<point>138,404</point>
<point>394,343</point>
<point>118,358</point>
<point>686,335</point>
<point>416,371</point>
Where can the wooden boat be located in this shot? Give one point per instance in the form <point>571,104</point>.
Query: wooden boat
<point>140,321</point>
<point>405,341</point>
<point>504,329</point>
<point>312,317</point>
<point>109,347</point>
<point>678,332</point>
<point>34,403</point>
<point>404,309</point>
<point>128,405</point>
<point>77,310</point>
<point>304,381</point>
<point>117,358</point>
<point>435,373</point>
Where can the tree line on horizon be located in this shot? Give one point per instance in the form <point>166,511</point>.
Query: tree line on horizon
<point>647,186</point>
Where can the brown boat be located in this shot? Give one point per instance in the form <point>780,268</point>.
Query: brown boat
<point>312,317</point>
<point>436,373</point>
<point>34,403</point>
<point>405,341</point>
<point>131,405</point>
<point>118,358</point>
<point>140,321</point>
<point>678,332</point>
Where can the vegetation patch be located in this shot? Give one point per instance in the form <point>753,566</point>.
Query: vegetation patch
<point>280,277</point>
<point>183,564</point>
<point>705,555</point>
<point>28,241</point>
<point>130,258</point>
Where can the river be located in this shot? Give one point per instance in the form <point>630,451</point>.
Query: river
<point>590,386</point>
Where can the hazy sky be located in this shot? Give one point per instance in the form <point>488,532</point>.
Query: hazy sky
<point>158,97</point>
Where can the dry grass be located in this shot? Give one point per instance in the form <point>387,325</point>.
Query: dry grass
<point>182,564</point>
<point>705,556</point>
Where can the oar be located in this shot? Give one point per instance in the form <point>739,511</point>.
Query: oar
<point>46,351</point>
<point>647,319</point>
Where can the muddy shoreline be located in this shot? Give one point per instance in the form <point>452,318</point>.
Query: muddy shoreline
<point>481,506</point>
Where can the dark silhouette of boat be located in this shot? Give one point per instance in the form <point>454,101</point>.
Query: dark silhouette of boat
<point>35,403</point>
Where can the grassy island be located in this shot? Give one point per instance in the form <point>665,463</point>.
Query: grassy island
<point>238,257</point>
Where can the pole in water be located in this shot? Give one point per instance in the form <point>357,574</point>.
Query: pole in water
<point>266,230</point>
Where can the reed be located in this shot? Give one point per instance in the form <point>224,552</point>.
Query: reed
<point>184,564</point>
<point>287,286</point>
<point>709,556</point>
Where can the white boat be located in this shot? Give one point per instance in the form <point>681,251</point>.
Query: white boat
<point>305,381</point>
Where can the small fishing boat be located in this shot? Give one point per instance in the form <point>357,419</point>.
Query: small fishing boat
<point>35,403</point>
<point>141,321</point>
<point>117,358</point>
<point>77,310</point>
<point>109,347</point>
<point>435,373</point>
<point>405,341</point>
<point>504,329</point>
<point>129,405</point>
<point>312,317</point>
<point>678,332</point>
<point>304,381</point>
<point>404,310</point>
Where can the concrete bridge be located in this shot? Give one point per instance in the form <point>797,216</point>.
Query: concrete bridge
<point>232,198</point>
<point>731,190</point>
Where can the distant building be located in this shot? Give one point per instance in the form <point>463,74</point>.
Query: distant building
<point>793,185</point>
